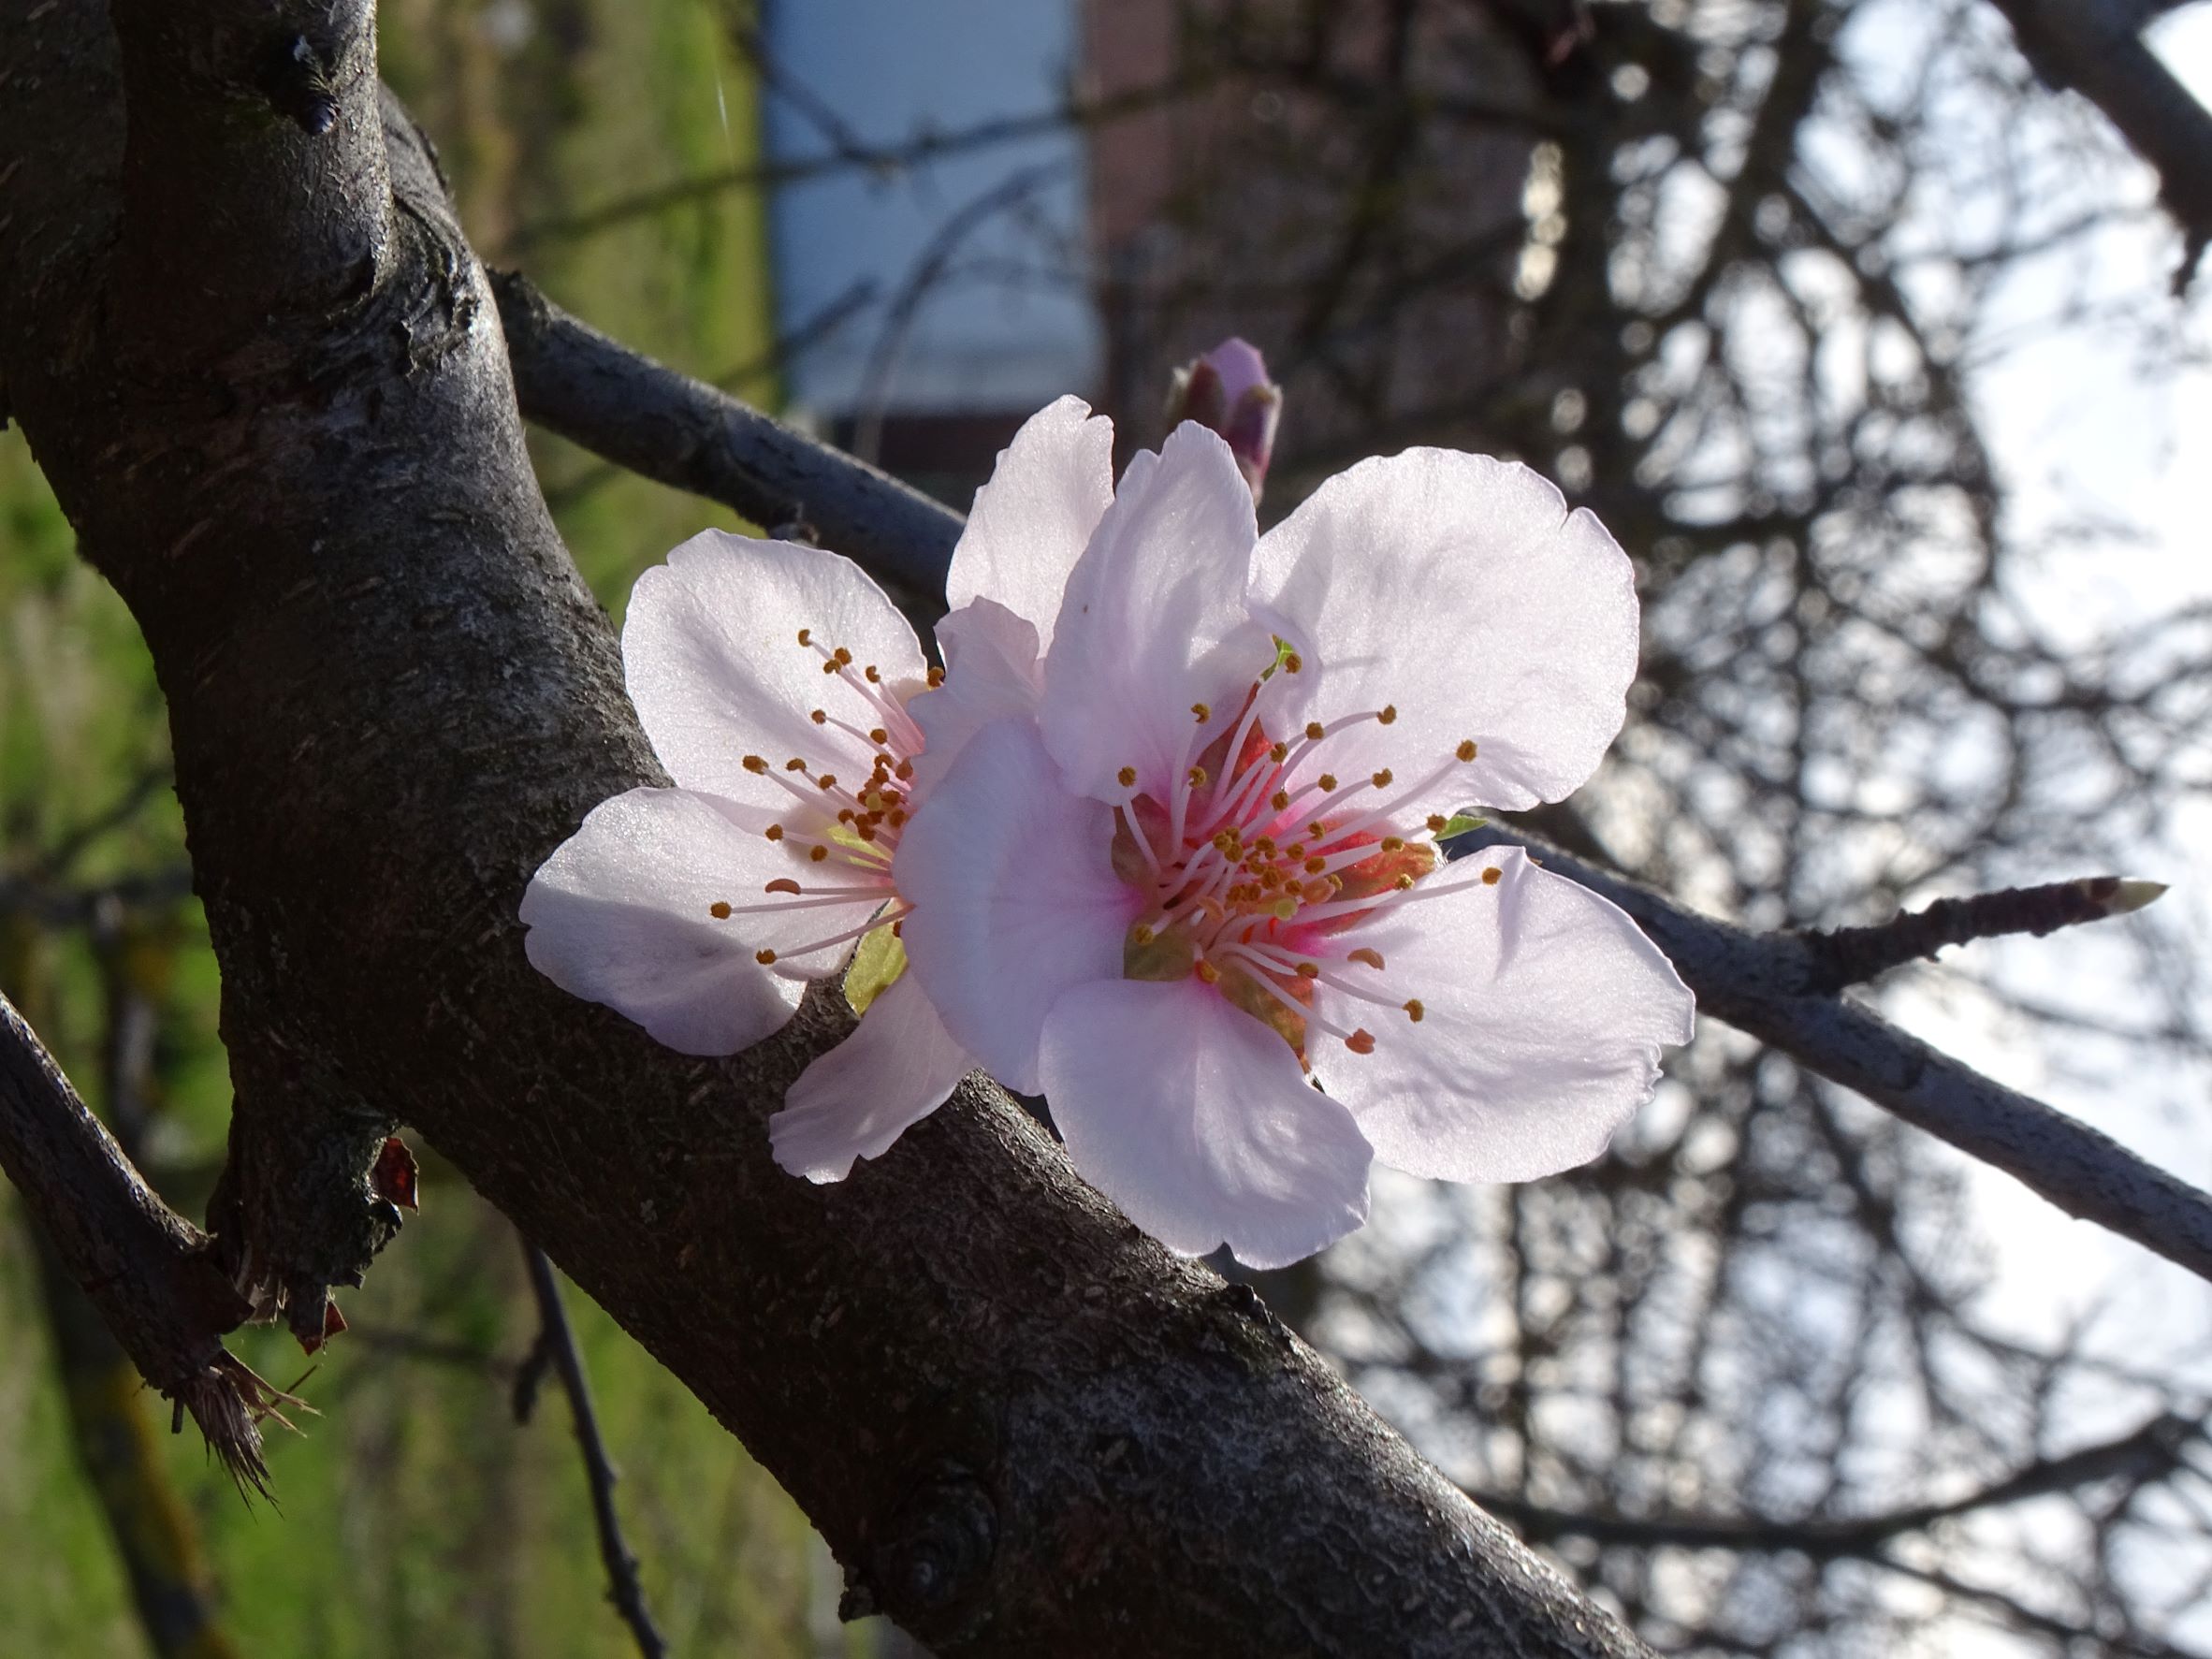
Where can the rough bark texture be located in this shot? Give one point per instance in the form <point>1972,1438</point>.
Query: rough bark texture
<point>266,380</point>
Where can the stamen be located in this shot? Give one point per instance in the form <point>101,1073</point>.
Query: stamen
<point>806,636</point>
<point>1127,777</point>
<point>1207,971</point>
<point>1413,1010</point>
<point>774,832</point>
<point>1201,713</point>
<point>1386,714</point>
<point>1361,1042</point>
<point>1367,953</point>
<point>1467,750</point>
<point>1492,876</point>
<point>719,909</point>
<point>763,957</point>
<point>754,765</point>
<point>937,679</point>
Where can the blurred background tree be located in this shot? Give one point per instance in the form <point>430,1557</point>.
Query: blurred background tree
<point>1862,339</point>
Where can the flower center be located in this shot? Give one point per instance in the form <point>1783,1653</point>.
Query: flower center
<point>1265,856</point>
<point>849,830</point>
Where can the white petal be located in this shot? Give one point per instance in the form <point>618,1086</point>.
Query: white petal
<point>1155,620</point>
<point>1033,519</point>
<point>619,915</point>
<point>1014,898</point>
<point>855,1100</point>
<point>712,659</point>
<point>1544,1009</point>
<point>991,674</point>
<point>1459,589</point>
<point>1195,1119</point>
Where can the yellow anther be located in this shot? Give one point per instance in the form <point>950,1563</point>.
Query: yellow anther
<point>1328,782</point>
<point>1316,731</point>
<point>1317,829</point>
<point>1393,844</point>
<point>1309,970</point>
<point>719,909</point>
<point>874,678</point>
<point>1366,953</point>
<point>1201,713</point>
<point>1286,909</point>
<point>1292,662</point>
<point>1467,750</point>
<point>820,717</point>
<point>1295,851</point>
<point>1207,971</point>
<point>831,665</point>
<point>754,764</point>
<point>1198,777</point>
<point>794,764</point>
<point>763,957</point>
<point>806,636</point>
<point>1265,846</point>
<point>1315,892</point>
<point>878,734</point>
<point>828,781</point>
<point>1386,714</point>
<point>1413,1010</point>
<point>937,679</point>
<point>1491,877</point>
<point>774,832</point>
<point>1141,934</point>
<point>1382,779</point>
<point>819,854</point>
<point>782,884</point>
<point>1127,777</point>
<point>1315,864</point>
<point>1278,752</point>
<point>1280,800</point>
<point>843,656</point>
<point>1438,824</point>
<point>1361,1042</point>
<point>1402,882</point>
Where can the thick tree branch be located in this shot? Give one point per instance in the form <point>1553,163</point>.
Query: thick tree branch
<point>1022,1426</point>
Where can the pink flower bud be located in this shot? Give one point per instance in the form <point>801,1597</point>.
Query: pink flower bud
<point>1229,391</point>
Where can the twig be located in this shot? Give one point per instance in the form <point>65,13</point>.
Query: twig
<point>1844,956</point>
<point>573,380</point>
<point>556,1339</point>
<point>2098,51</point>
<point>1754,981</point>
<point>144,1267</point>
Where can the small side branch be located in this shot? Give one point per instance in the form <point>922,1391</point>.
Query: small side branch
<point>1754,982</point>
<point>144,1267</point>
<point>1844,956</point>
<point>573,380</point>
<point>557,1344</point>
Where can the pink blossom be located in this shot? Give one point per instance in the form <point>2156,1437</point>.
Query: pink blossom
<point>780,689</point>
<point>1204,876</point>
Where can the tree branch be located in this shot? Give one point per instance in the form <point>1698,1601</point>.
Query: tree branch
<point>557,1345</point>
<point>1759,984</point>
<point>2095,47</point>
<point>144,1267</point>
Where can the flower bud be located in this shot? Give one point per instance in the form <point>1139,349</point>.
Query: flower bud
<point>1229,391</point>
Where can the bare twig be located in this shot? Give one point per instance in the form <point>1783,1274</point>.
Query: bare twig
<point>573,380</point>
<point>144,1267</point>
<point>2098,51</point>
<point>1754,982</point>
<point>557,1341</point>
<point>1844,956</point>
